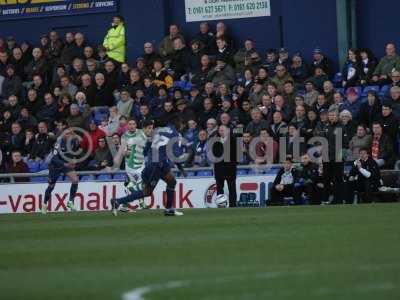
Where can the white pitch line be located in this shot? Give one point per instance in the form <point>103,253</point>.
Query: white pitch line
<point>140,293</point>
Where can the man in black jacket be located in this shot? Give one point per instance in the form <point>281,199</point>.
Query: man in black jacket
<point>225,162</point>
<point>309,177</point>
<point>364,177</point>
<point>284,183</point>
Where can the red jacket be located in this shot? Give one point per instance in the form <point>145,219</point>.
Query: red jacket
<point>94,137</point>
<point>20,167</point>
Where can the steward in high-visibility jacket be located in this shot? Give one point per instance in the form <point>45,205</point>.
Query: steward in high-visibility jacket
<point>114,41</point>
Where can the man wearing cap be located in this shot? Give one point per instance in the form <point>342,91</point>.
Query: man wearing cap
<point>114,42</point>
<point>222,73</point>
<point>320,60</point>
<point>386,65</point>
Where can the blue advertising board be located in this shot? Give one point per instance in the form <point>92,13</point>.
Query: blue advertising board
<point>17,9</point>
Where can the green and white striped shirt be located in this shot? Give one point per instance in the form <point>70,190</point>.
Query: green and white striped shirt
<point>134,143</point>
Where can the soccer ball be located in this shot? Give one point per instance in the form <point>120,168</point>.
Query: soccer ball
<point>221,201</point>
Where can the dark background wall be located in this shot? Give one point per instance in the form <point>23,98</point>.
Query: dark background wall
<point>304,25</point>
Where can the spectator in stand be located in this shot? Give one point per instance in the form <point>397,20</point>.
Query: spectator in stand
<point>364,177</point>
<point>191,134</point>
<point>394,100</point>
<point>208,112</point>
<point>29,143</point>
<point>283,58</point>
<point>18,61</point>
<point>223,73</point>
<point>246,158</point>
<point>271,62</point>
<point>222,33</point>
<point>48,112</point>
<point>184,110</point>
<point>298,70</point>
<point>267,149</point>
<point>3,62</point>
<point>390,123</point>
<point>320,60</point>
<point>77,118</point>
<point>352,71</point>
<point>12,84</point>
<point>79,46</point>
<point>11,44</point>
<point>77,71</point>
<point>180,59</point>
<point>111,75</point>
<point>37,66</point>
<point>247,57</point>
<point>17,138</point>
<point>167,44</point>
<point>43,142</point>
<point>67,53</point>
<point>196,54</point>
<point>382,147</point>
<point>328,91</point>
<point>319,77</point>
<point>160,76</point>
<point>322,125</point>
<point>360,141</point>
<point>125,104</point>
<point>280,105</point>
<point>300,120</point>
<point>206,37</point>
<point>55,47</point>
<point>200,150</point>
<point>103,93</point>
<point>281,77</point>
<point>68,87</point>
<point>114,41</point>
<point>244,113</point>
<point>211,127</point>
<point>90,140</point>
<point>353,103</point>
<point>224,52</point>
<point>257,122</point>
<point>12,104</point>
<point>289,94</point>
<point>150,56</point>
<point>278,128</point>
<point>386,65</point>
<point>283,185</point>
<point>102,157</point>
<point>368,65</point>
<point>199,77</point>
<point>349,128</point>
<point>39,85</point>
<point>26,119</point>
<point>338,102</point>
<point>256,93</point>
<point>17,165</point>
<point>370,111</point>
<point>311,95</point>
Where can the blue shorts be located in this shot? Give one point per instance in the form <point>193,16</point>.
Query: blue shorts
<point>55,172</point>
<point>153,172</point>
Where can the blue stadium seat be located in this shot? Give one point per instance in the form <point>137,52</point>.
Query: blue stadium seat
<point>33,166</point>
<point>370,88</point>
<point>271,172</point>
<point>204,173</point>
<point>358,89</point>
<point>119,177</point>
<point>241,172</point>
<point>337,79</point>
<point>340,90</point>
<point>104,177</point>
<point>384,90</point>
<point>191,173</point>
<point>39,179</point>
<point>188,86</point>
<point>180,84</point>
<point>86,178</point>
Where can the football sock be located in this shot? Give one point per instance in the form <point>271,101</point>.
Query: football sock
<point>72,191</point>
<point>129,198</point>
<point>170,197</point>
<point>47,194</point>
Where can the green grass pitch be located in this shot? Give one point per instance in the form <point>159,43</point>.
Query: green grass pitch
<point>327,252</point>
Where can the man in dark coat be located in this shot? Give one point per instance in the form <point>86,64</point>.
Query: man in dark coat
<point>284,183</point>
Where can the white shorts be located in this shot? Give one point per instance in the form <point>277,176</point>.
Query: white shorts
<point>134,175</point>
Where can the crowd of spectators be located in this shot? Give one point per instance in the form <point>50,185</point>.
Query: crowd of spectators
<point>209,79</point>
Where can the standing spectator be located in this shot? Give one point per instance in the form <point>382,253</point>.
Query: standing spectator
<point>55,47</point>
<point>167,44</point>
<point>349,130</point>
<point>281,77</point>
<point>206,37</point>
<point>353,103</point>
<point>43,142</point>
<point>196,54</point>
<point>37,66</point>
<point>114,42</point>
<point>222,33</point>
<point>12,84</point>
<point>257,122</point>
<point>224,52</point>
<point>386,65</point>
<point>180,59</point>
<point>370,111</point>
<point>246,57</point>
<point>67,53</point>
<point>48,113</point>
<point>298,69</point>
<point>200,150</point>
<point>17,166</point>
<point>222,73</point>
<point>368,65</point>
<point>359,141</point>
<point>103,94</point>
<point>150,56</point>
<point>271,62</point>
<point>390,123</point>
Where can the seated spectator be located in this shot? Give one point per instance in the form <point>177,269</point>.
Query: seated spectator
<point>195,99</point>
<point>206,37</point>
<point>17,166</point>
<point>167,44</point>
<point>222,73</point>
<point>281,77</point>
<point>338,102</point>
<point>224,51</point>
<point>13,106</point>
<point>266,149</point>
<point>160,76</point>
<point>76,72</point>
<point>111,75</point>
<point>309,180</point>
<point>90,140</point>
<point>382,147</point>
<point>123,76</point>
<point>328,91</point>
<point>76,117</point>
<point>283,58</point>
<point>389,122</point>
<point>349,130</point>
<point>191,134</point>
<point>37,66</point>
<point>352,72</point>
<point>368,65</point>
<point>64,104</point>
<point>370,111</point>
<point>257,122</point>
<point>208,112</point>
<point>322,126</point>
<point>39,85</point>
<point>102,157</point>
<point>145,114</point>
<point>125,104</point>
<point>19,61</point>
<point>246,57</point>
<point>185,111</point>
<point>43,142</point>
<point>166,114</point>
<point>17,138</point>
<point>48,113</point>
<point>361,140</point>
<point>26,119</point>
<point>278,128</point>
<point>199,76</point>
<point>283,185</point>
<point>256,93</point>
<point>321,61</point>
<point>321,104</point>
<point>312,121</point>
<point>295,146</point>
<point>395,78</point>
<point>267,108</point>
<point>318,78</point>
<point>244,113</point>
<point>12,84</point>
<point>300,120</point>
<point>200,150</point>
<point>352,103</point>
<point>394,100</point>
<point>298,69</point>
<point>246,158</point>
<point>149,56</point>
<point>29,143</point>
<point>228,108</point>
<point>311,95</point>
<point>68,87</point>
<point>289,94</point>
<point>135,82</point>
<point>103,95</point>
<point>212,127</point>
<point>386,65</point>
<point>364,178</point>
<point>271,62</point>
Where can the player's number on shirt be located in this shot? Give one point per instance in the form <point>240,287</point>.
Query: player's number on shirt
<point>159,141</point>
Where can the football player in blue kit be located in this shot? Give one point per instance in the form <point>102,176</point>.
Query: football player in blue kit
<point>162,143</point>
